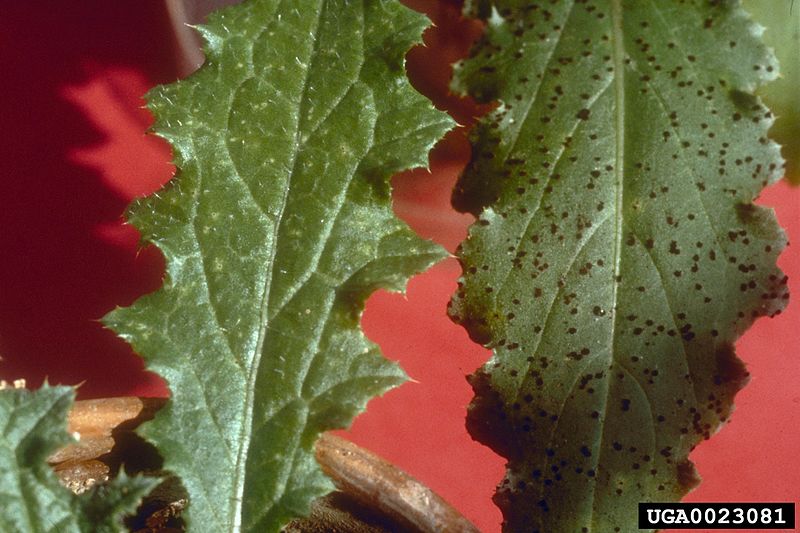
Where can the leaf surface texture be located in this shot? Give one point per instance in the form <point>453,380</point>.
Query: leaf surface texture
<point>617,254</point>
<point>275,230</point>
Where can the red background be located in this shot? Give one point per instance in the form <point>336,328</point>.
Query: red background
<point>74,153</point>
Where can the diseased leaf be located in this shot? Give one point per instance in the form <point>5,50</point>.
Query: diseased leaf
<point>782,21</point>
<point>617,255</point>
<point>34,425</point>
<point>276,229</point>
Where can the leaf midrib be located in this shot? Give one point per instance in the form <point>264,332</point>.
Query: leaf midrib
<point>618,56</point>
<point>247,425</point>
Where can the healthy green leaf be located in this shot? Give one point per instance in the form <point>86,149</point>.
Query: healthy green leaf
<point>31,498</point>
<point>277,228</point>
<point>617,255</point>
<point>782,21</point>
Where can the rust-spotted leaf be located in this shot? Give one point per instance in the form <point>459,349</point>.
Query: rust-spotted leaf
<point>781,18</point>
<point>617,254</point>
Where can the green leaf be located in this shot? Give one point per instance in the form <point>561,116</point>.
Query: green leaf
<point>276,229</point>
<point>617,255</point>
<point>31,498</point>
<point>782,21</point>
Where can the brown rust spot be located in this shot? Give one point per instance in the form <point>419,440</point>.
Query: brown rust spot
<point>730,369</point>
<point>487,421</point>
<point>688,478</point>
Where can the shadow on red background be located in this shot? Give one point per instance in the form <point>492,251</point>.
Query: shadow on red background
<point>59,273</point>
